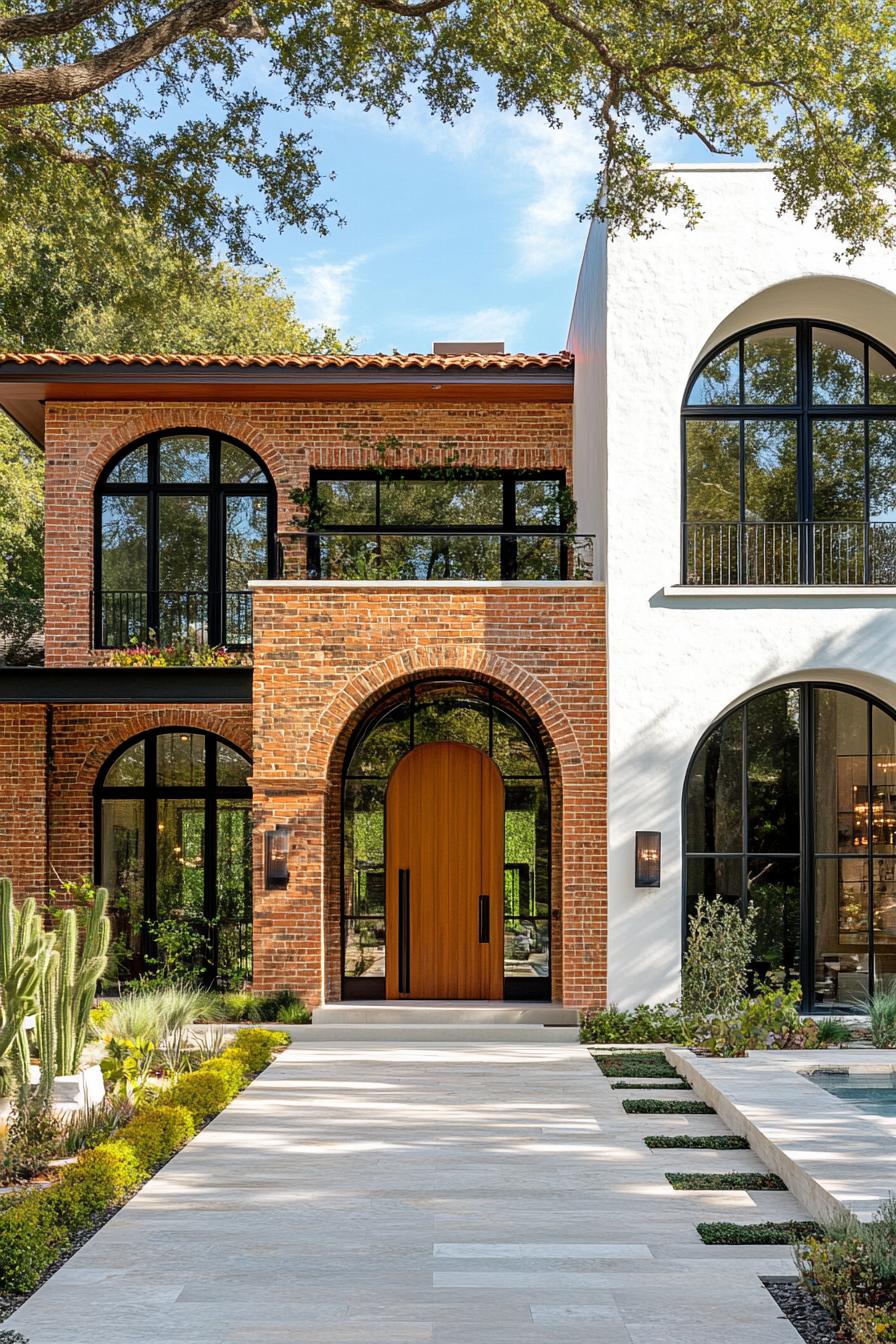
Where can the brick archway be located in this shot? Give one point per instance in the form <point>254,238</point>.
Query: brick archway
<point>134,725</point>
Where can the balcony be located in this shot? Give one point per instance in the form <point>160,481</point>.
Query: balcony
<point>474,555</point>
<point>123,616</point>
<point>839,553</point>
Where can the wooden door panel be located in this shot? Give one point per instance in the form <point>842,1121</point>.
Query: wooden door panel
<point>445,826</point>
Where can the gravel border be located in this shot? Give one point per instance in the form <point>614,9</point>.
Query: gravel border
<point>804,1312</point>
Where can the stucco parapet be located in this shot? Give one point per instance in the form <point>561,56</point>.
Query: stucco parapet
<point>429,585</point>
<point>815,594</point>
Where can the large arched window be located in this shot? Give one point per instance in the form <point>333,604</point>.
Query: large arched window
<point>479,716</point>
<point>789,444</point>
<point>790,806</point>
<point>174,848</point>
<point>183,522</point>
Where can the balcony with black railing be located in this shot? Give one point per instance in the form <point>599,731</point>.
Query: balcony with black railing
<point>834,554</point>
<point>474,555</point>
<point>123,617</point>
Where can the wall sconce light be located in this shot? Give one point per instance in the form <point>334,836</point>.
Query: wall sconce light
<point>647,858</point>
<point>276,858</point>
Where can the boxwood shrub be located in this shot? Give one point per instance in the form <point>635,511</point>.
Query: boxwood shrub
<point>658,1087</point>
<point>757,1234</point>
<point>257,1046</point>
<point>101,1176</point>
<point>660,1106</point>
<point>724,1180</point>
<point>31,1239</point>
<point>722,1142</point>
<point>634,1064</point>
<point>156,1133</point>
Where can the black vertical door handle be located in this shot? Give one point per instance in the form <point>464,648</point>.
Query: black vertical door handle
<point>484,921</point>
<point>404,930</point>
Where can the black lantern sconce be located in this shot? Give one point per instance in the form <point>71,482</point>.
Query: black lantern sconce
<point>276,858</point>
<point>647,858</point>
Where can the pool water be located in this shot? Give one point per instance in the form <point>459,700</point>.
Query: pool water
<point>872,1092</point>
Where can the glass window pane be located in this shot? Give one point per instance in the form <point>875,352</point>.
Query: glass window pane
<point>713,470</point>
<point>364,848</point>
<point>245,540</point>
<point>715,878</point>
<point>718,383</point>
<point>543,558</point>
<point>882,471</point>
<point>180,859</point>
<point>183,459</point>
<point>774,892</point>
<point>347,503</point>
<point>838,469</point>
<point>180,759</point>
<point>770,470</point>
<point>538,503</point>
<point>770,367</point>
<point>527,948</point>
<point>841,931</point>
<point>512,751</point>
<point>838,368</point>
<point>132,469</point>
<point>451,715</point>
<point>233,768</point>
<point>238,467</point>
<point>433,503</point>
<point>883,782</point>
<point>122,849</point>
<point>881,378</point>
<point>526,848</point>
<point>124,569</point>
<point>183,567</point>
<point>233,930</point>
<point>715,792</point>
<point>434,556</point>
<point>128,770</point>
<point>365,948</point>
<point>773,772</point>
<point>841,772</point>
<point>383,746</point>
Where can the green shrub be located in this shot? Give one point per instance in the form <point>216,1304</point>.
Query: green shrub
<point>638,1064</point>
<point>659,1106</point>
<point>269,1005</point>
<point>724,1180</point>
<point>831,1031</point>
<point>157,1132</point>
<point>239,1008</point>
<point>101,1177</point>
<point>720,1142</point>
<point>257,1046</point>
<point>756,1234</point>
<point>230,1068</point>
<point>882,1012</point>
<point>643,1025</point>
<point>852,1271</point>
<point>293,1014</point>
<point>720,945</point>
<point>681,1086</point>
<point>92,1125</point>
<point>203,1093</point>
<point>768,1021</point>
<point>31,1239</point>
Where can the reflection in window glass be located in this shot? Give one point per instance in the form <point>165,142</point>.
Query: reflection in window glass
<point>183,459</point>
<point>382,747</point>
<point>773,773</point>
<point>233,929</point>
<point>838,470</point>
<point>718,383</point>
<point>122,850</point>
<point>128,770</point>
<point>512,751</point>
<point>233,768</point>
<point>770,470</point>
<point>841,775</point>
<point>770,367</point>
<point>237,466</point>
<point>132,469</point>
<point>538,503</point>
<point>124,543</point>
<point>246,540</point>
<point>882,471</point>
<point>433,503</point>
<point>713,470</point>
<point>180,860</point>
<point>715,791</point>
<point>841,931</point>
<point>364,855</point>
<point>365,948</point>
<point>180,759</point>
<point>881,379</point>
<point>715,878</point>
<point>838,368</point>
<point>773,885</point>
<point>346,503</point>
<point>450,717</point>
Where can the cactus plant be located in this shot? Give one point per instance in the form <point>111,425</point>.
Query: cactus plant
<point>47,1026</point>
<point>82,962</point>
<point>25,949</point>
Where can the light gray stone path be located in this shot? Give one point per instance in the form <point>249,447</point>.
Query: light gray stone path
<point>424,1194</point>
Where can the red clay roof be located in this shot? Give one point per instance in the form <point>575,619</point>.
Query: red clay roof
<point>562,360</point>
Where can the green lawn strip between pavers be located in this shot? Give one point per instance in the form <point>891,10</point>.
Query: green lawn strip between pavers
<point>757,1234</point>
<point>639,1064</point>
<point>714,1142</point>
<point>724,1180</point>
<point>658,1087</point>
<point>660,1106</point>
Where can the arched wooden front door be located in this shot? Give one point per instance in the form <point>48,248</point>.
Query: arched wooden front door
<point>445,875</point>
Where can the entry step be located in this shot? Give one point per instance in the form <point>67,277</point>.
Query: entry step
<point>470,1032</point>
<point>432,1013</point>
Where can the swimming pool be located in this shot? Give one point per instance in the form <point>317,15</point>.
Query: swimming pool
<point>871,1092</point>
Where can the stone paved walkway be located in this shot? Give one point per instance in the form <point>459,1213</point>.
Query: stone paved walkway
<point>396,1194</point>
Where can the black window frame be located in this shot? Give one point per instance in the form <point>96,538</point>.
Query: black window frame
<point>149,793</point>
<point>803,411</point>
<point>217,493</point>
<point>507,529</point>
<point>807,854</point>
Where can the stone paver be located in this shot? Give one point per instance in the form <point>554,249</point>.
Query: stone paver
<point>424,1194</point>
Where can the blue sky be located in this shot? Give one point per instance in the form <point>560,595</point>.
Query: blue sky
<point>452,232</point>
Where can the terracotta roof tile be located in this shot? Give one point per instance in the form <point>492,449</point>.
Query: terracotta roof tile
<point>563,360</point>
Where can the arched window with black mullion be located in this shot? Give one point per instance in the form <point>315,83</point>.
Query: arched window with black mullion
<point>789,459</point>
<point>183,521</point>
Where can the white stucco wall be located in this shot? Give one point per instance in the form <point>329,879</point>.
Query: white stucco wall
<point>677,662</point>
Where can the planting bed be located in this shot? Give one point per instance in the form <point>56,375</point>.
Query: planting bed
<point>757,1234</point>
<point>721,1142</point>
<point>660,1106</point>
<point>724,1180</point>
<point>634,1064</point>
<point>804,1312</point>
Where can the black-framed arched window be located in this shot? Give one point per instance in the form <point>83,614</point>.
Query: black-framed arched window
<point>183,521</point>
<point>173,831</point>
<point>438,709</point>
<point>789,459</point>
<point>790,806</point>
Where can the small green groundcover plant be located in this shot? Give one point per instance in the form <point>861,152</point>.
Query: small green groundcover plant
<point>720,1142</point>
<point>724,1180</point>
<point>647,1024</point>
<point>851,1270</point>
<point>36,1228</point>
<point>757,1234</point>
<point>681,1086</point>
<point>770,1020</point>
<point>660,1106</point>
<point>635,1064</point>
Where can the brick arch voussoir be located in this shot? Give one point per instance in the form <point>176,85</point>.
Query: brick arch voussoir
<point>182,416</point>
<point>202,720</point>
<point>378,679</point>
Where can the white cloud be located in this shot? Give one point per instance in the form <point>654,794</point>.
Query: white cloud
<point>560,165</point>
<point>482,324</point>
<point>323,290</point>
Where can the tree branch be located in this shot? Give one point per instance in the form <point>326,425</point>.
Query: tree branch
<point>49,23</point>
<point>409,9</point>
<point>53,146</point>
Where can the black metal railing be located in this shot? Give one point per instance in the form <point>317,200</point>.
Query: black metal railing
<point>122,616</point>
<point>429,554</point>
<point>775,554</point>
